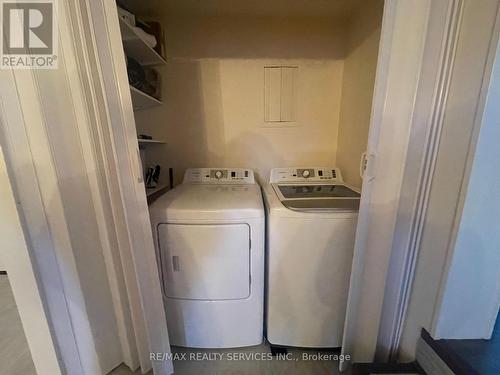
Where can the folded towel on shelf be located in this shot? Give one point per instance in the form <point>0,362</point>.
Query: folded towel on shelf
<point>149,39</point>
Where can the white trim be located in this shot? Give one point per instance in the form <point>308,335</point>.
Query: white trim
<point>444,26</point>
<point>398,73</point>
<point>490,319</point>
<point>111,158</point>
<point>21,274</point>
<point>32,123</point>
<point>101,181</point>
<point>74,181</point>
<point>41,177</point>
<point>35,185</point>
<point>462,105</point>
<point>152,335</point>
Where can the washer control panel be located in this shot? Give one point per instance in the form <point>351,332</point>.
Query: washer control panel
<point>219,176</point>
<point>315,175</point>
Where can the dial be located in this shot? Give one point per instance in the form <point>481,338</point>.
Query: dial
<point>305,173</point>
<point>218,175</point>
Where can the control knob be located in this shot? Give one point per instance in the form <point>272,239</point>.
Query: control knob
<point>305,173</point>
<point>218,175</point>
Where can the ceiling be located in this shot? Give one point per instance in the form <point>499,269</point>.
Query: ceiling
<point>338,9</point>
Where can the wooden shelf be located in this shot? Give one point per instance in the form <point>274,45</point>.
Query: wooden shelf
<point>152,191</point>
<point>150,141</point>
<point>141,100</point>
<point>137,49</point>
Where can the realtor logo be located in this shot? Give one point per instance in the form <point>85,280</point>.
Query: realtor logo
<point>29,39</point>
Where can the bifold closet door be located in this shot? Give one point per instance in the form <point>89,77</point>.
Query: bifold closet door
<point>105,69</point>
<point>403,34</point>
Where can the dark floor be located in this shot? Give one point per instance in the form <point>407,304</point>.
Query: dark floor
<point>481,356</point>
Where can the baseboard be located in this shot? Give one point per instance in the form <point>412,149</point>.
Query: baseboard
<point>436,359</point>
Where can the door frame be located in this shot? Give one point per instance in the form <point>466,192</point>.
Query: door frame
<point>416,52</point>
<point>450,184</point>
<point>36,185</point>
<point>22,276</point>
<point>106,68</point>
<point>427,122</point>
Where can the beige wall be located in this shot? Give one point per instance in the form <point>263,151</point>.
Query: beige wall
<point>213,90</point>
<point>214,93</point>
<point>357,89</point>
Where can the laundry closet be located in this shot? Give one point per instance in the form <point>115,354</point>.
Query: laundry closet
<point>110,151</point>
<point>256,85</point>
<point>231,95</point>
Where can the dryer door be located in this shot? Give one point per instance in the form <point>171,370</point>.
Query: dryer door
<point>205,262</point>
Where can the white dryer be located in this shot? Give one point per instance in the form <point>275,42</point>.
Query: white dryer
<point>209,236</point>
<point>311,225</point>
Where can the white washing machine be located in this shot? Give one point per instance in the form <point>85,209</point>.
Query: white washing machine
<point>311,225</point>
<point>209,235</point>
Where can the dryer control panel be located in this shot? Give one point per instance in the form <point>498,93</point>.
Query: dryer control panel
<point>224,176</point>
<point>309,175</point>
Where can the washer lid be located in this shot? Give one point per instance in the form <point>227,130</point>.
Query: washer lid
<point>318,196</point>
<point>209,202</point>
<point>316,191</point>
